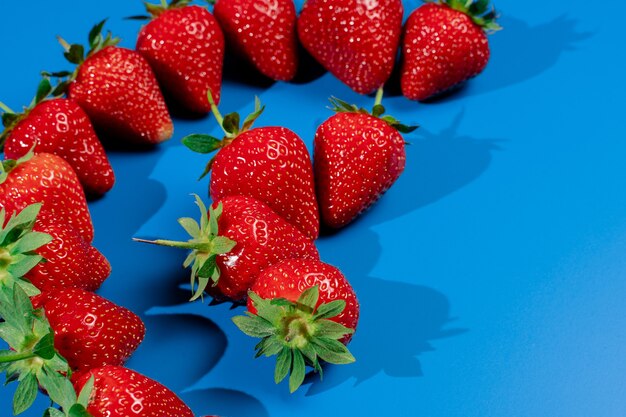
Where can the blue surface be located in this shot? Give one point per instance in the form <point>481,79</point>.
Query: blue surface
<point>491,276</point>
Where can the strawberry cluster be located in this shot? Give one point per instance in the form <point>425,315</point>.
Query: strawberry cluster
<point>254,244</point>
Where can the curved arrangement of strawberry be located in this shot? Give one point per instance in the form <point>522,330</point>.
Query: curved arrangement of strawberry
<point>58,126</point>
<point>185,47</point>
<point>355,40</point>
<point>237,238</point>
<point>445,44</point>
<point>270,164</point>
<point>118,90</point>
<point>358,155</point>
<point>264,32</point>
<point>304,311</point>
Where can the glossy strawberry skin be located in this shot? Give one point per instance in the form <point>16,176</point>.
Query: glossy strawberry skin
<point>262,31</point>
<point>90,331</point>
<point>288,279</point>
<point>272,165</point>
<point>71,262</point>
<point>441,48</point>
<point>185,47</point>
<point>61,127</point>
<point>119,92</point>
<point>357,157</point>
<point>263,239</point>
<point>48,179</point>
<point>121,392</point>
<point>355,40</point>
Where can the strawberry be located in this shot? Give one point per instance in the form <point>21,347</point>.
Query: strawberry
<point>48,179</point>
<point>356,40</point>
<point>90,331</point>
<point>270,164</point>
<point>118,90</point>
<point>357,157</point>
<point>60,127</point>
<point>185,47</point>
<point>121,392</point>
<point>303,310</point>
<point>264,32</point>
<point>238,239</point>
<point>444,44</point>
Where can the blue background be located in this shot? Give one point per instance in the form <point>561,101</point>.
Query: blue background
<point>491,276</point>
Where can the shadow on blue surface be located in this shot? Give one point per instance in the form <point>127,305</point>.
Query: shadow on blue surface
<point>438,164</point>
<point>224,402</point>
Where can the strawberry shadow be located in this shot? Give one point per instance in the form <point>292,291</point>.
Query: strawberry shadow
<point>438,164</point>
<point>519,53</point>
<point>393,331</point>
<point>241,71</point>
<point>224,402</point>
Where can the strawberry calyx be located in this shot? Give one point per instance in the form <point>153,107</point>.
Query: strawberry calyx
<point>205,244</point>
<point>10,118</point>
<point>155,10</point>
<point>340,106</point>
<point>18,243</point>
<point>9,165</point>
<point>298,333</point>
<point>33,361</point>
<point>478,10</point>
<point>230,124</point>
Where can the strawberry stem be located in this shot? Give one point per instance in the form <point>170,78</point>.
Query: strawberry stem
<point>164,4</point>
<point>379,96</point>
<point>5,108</point>
<point>66,46</point>
<point>216,113</point>
<point>14,357</point>
<point>201,246</point>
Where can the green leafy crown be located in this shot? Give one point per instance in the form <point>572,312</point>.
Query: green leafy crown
<point>478,10</point>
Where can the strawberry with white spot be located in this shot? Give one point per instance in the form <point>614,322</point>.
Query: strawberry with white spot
<point>270,164</point>
<point>445,44</point>
<point>262,31</point>
<point>358,155</point>
<point>305,311</point>
<point>55,125</point>
<point>185,46</point>
<point>356,40</point>
<point>118,90</point>
<point>234,242</point>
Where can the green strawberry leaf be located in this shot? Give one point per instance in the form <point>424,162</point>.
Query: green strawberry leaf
<point>86,391</point>
<point>298,370</point>
<point>283,364</point>
<point>25,393</point>
<point>58,387</point>
<point>78,410</point>
<point>76,54</point>
<point>201,143</point>
<point>328,310</point>
<point>309,298</point>
<point>332,351</point>
<point>53,412</point>
<point>30,242</point>
<point>95,34</point>
<point>45,347</point>
<point>231,123</point>
<point>254,326</point>
<point>190,225</point>
<point>43,90</point>
<point>332,330</point>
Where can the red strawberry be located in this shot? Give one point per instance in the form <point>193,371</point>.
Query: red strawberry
<point>238,239</point>
<point>71,262</point>
<point>270,164</point>
<point>357,157</point>
<point>444,44</point>
<point>90,331</point>
<point>356,40</point>
<point>185,47</point>
<point>304,310</point>
<point>48,179</point>
<point>60,127</point>
<point>262,31</point>
<point>118,90</point>
<point>121,392</point>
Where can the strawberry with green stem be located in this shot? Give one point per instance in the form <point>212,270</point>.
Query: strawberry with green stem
<point>117,89</point>
<point>358,155</point>
<point>304,311</point>
<point>236,239</point>
<point>184,45</point>
<point>270,164</point>
<point>444,44</point>
<point>32,360</point>
<point>52,124</point>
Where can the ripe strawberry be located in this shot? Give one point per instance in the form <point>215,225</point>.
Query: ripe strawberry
<point>270,164</point>
<point>238,239</point>
<point>48,179</point>
<point>121,392</point>
<point>304,310</point>
<point>90,331</point>
<point>185,47</point>
<point>118,90</point>
<point>60,127</point>
<point>357,157</point>
<point>355,40</point>
<point>444,44</point>
<point>264,32</point>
